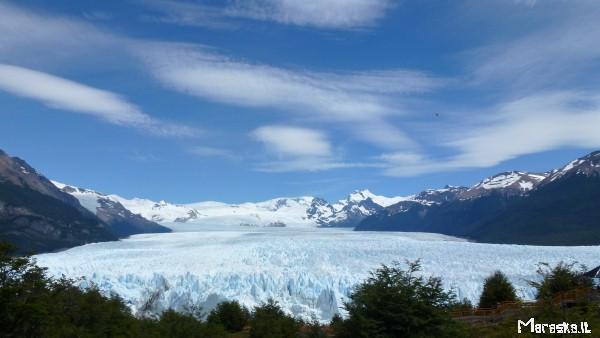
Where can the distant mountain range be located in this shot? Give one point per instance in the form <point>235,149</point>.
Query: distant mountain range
<point>560,207</point>
<point>291,212</point>
<point>36,216</point>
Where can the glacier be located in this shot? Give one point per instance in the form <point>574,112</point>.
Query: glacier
<point>309,271</point>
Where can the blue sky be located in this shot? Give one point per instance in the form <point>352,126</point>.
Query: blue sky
<point>248,100</point>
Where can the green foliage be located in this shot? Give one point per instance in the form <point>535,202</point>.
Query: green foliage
<point>507,326</point>
<point>397,303</point>
<point>561,278</point>
<point>178,325</point>
<point>231,315</point>
<point>496,289</point>
<point>463,305</point>
<point>34,305</point>
<point>269,321</point>
<point>314,329</point>
<point>393,302</point>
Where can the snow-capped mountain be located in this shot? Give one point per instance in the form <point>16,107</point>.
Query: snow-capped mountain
<point>512,183</point>
<point>303,211</point>
<point>120,220</point>
<point>35,216</point>
<point>554,208</point>
<point>588,165</point>
<point>508,183</point>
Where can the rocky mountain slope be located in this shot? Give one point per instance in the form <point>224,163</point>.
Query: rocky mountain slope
<point>36,216</point>
<point>119,220</point>
<point>560,207</point>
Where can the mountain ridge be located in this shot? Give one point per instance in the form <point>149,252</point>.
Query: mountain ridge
<point>304,211</point>
<point>559,207</point>
<point>36,216</point>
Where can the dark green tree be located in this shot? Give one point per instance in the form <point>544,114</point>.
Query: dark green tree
<point>269,321</point>
<point>313,329</point>
<point>496,289</point>
<point>177,325</point>
<point>35,305</point>
<point>394,302</point>
<point>561,278</point>
<point>231,315</point>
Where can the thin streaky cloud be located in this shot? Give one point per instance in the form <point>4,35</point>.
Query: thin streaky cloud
<point>205,151</point>
<point>548,56</point>
<point>319,14</point>
<point>299,149</point>
<point>27,34</point>
<point>59,93</point>
<point>524,126</point>
<point>330,14</point>
<point>359,101</point>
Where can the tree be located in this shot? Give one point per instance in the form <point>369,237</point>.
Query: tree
<point>561,278</point>
<point>35,305</point>
<point>231,315</point>
<point>496,289</point>
<point>269,321</point>
<point>177,325</point>
<point>314,329</point>
<point>397,303</point>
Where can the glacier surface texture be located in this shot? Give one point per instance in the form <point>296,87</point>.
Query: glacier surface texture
<point>308,271</point>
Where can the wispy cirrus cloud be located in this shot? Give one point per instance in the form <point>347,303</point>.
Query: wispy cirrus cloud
<point>205,151</point>
<point>367,106</point>
<point>60,93</point>
<point>298,149</point>
<point>185,13</point>
<point>554,54</point>
<point>333,14</point>
<point>323,14</point>
<point>27,34</point>
<point>524,126</point>
<point>359,100</point>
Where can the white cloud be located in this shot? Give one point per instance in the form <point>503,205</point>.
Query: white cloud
<point>533,124</point>
<point>327,14</point>
<point>337,14</point>
<point>298,149</point>
<point>310,164</point>
<point>559,50</point>
<point>187,14</point>
<point>360,100</point>
<point>293,141</point>
<point>204,151</point>
<point>60,93</point>
<point>524,126</point>
<point>26,34</point>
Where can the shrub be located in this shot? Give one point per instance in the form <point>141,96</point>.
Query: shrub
<point>561,278</point>
<point>269,321</point>
<point>35,305</point>
<point>397,303</point>
<point>231,315</point>
<point>496,289</point>
<point>313,329</point>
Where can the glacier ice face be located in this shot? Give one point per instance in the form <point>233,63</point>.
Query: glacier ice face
<point>308,271</point>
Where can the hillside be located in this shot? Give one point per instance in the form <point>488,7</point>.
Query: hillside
<point>37,217</point>
<point>120,221</point>
<point>561,207</point>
